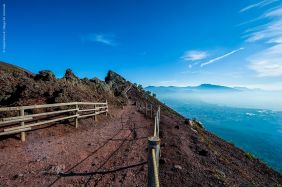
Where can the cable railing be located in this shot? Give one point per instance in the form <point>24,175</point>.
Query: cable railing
<point>27,117</point>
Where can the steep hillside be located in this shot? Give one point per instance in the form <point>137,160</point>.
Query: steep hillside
<point>190,156</point>
<point>19,87</point>
<point>6,67</point>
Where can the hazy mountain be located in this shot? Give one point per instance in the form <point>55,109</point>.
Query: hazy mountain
<point>200,88</point>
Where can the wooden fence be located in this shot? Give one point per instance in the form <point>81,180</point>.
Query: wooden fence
<point>153,143</point>
<point>146,108</point>
<point>37,115</point>
<point>154,153</point>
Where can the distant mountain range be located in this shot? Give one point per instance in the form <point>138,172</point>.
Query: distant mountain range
<point>200,88</point>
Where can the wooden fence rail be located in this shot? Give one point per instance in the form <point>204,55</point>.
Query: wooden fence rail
<point>154,151</point>
<point>153,143</point>
<point>24,121</point>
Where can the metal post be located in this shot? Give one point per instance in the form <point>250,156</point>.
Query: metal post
<point>153,144</point>
<point>22,124</point>
<point>76,119</point>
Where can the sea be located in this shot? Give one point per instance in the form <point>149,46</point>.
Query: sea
<point>256,131</point>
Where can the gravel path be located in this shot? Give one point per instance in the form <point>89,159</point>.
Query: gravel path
<point>110,152</point>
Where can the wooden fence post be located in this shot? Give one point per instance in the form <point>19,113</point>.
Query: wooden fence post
<point>159,119</point>
<point>95,117</point>
<point>153,144</point>
<point>107,108</point>
<point>22,124</point>
<point>151,111</point>
<point>146,109</point>
<point>76,112</point>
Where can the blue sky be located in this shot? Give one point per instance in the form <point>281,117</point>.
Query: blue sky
<point>152,42</point>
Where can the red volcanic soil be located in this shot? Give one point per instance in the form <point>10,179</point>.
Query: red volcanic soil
<point>113,152</point>
<point>110,152</point>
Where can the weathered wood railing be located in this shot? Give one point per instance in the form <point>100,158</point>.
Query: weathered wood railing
<point>147,109</point>
<point>25,120</point>
<point>153,143</point>
<point>154,151</point>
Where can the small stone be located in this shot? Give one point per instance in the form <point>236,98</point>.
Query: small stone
<point>20,175</point>
<point>15,177</point>
<point>163,161</point>
<point>194,131</point>
<point>55,170</point>
<point>142,168</point>
<point>203,152</point>
<point>178,167</point>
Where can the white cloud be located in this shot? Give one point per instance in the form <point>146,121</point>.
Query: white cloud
<point>268,63</point>
<point>270,30</point>
<point>259,4</point>
<point>221,57</point>
<point>107,39</point>
<point>194,55</point>
<point>275,12</point>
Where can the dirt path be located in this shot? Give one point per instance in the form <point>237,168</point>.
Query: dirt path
<point>110,152</point>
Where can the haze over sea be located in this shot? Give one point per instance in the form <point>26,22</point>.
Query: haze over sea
<point>252,120</point>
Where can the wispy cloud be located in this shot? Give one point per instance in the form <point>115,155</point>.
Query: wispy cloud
<point>194,55</point>
<point>106,39</point>
<point>268,62</point>
<point>220,57</point>
<point>269,31</point>
<point>259,4</point>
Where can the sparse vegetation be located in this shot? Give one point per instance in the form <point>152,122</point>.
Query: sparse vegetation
<point>197,123</point>
<point>140,87</point>
<point>187,121</point>
<point>249,156</point>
